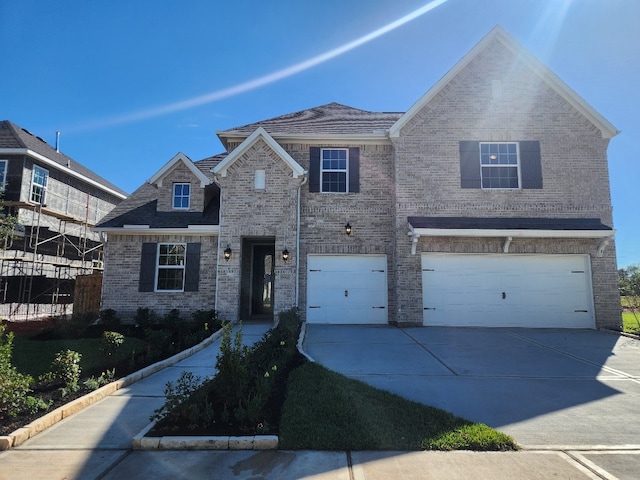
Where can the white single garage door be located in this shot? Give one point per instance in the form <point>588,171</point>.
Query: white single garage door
<point>347,289</point>
<point>507,290</point>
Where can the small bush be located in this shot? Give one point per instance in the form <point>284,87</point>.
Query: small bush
<point>145,318</point>
<point>109,319</point>
<point>111,342</point>
<point>66,369</point>
<point>15,386</point>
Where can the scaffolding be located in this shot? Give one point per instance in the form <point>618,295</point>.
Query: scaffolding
<point>40,262</point>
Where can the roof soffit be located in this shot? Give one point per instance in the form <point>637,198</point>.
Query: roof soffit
<point>259,133</point>
<point>607,129</point>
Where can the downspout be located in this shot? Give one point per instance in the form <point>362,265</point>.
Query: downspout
<point>215,299</point>
<point>305,180</point>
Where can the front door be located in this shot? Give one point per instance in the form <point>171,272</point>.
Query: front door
<point>262,280</point>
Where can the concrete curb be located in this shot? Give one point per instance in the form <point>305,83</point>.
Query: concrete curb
<point>193,442</point>
<point>23,434</point>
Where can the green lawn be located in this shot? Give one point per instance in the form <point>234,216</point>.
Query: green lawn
<point>327,411</point>
<point>34,356</point>
<point>630,323</point>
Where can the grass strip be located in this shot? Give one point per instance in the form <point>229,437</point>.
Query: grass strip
<point>630,322</point>
<point>34,357</point>
<point>328,411</point>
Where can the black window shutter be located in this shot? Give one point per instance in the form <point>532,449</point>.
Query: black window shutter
<point>469,164</point>
<point>530,164</point>
<point>148,267</point>
<point>354,170</point>
<point>192,268</point>
<point>314,169</point>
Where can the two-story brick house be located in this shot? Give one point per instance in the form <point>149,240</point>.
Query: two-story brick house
<point>57,201</point>
<point>487,203</point>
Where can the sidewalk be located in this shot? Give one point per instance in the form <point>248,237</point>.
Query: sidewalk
<point>96,443</point>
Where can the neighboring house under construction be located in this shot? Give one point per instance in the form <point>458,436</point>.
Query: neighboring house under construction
<point>56,201</point>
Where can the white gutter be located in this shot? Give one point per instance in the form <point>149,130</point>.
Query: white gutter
<point>57,166</point>
<point>146,230</point>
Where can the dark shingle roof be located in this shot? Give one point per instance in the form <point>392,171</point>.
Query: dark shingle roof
<point>497,223</point>
<point>13,136</point>
<point>332,118</point>
<point>140,207</point>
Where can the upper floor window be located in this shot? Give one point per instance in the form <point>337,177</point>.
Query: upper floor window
<point>181,195</point>
<point>170,267</point>
<point>334,170</point>
<point>499,165</point>
<point>3,174</point>
<point>39,184</point>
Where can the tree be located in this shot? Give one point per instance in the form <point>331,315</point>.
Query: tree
<point>629,284</point>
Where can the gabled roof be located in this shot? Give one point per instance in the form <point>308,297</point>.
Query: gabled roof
<point>17,140</point>
<point>171,164</point>
<point>260,133</point>
<point>331,120</point>
<point>499,34</point>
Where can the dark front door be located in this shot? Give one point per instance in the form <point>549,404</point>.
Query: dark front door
<point>262,280</point>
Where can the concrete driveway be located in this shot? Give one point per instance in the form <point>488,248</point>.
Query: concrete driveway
<point>549,389</point>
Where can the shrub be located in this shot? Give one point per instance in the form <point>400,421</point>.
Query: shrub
<point>145,318</point>
<point>111,342</point>
<point>109,319</point>
<point>15,386</point>
<point>66,369</point>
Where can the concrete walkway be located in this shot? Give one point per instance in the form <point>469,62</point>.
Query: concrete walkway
<point>96,443</point>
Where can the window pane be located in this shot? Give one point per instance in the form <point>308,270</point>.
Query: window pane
<point>334,182</point>
<point>170,278</point>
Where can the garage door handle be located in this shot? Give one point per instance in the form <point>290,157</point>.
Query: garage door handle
<point>429,308</point>
<point>504,295</point>
<point>314,306</point>
<point>378,307</point>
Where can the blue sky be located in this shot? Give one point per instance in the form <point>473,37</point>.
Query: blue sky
<point>130,84</point>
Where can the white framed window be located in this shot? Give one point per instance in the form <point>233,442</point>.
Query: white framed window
<point>4,164</point>
<point>181,196</point>
<point>334,170</point>
<point>499,166</point>
<point>259,180</point>
<point>39,181</point>
<point>170,267</point>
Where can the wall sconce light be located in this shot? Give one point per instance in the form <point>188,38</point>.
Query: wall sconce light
<point>227,253</point>
<point>285,255</point>
<point>347,228</point>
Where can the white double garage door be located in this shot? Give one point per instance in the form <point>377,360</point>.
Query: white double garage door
<point>482,290</point>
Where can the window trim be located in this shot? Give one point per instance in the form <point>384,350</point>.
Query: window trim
<point>174,196</point>
<point>3,177</point>
<point>159,267</point>
<point>34,184</point>
<point>345,170</point>
<point>517,166</point>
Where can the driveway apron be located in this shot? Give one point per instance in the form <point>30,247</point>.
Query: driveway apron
<point>546,388</point>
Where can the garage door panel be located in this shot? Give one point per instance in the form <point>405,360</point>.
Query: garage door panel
<point>347,289</point>
<point>507,290</point>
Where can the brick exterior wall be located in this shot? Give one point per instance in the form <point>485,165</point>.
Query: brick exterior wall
<point>574,170</point>
<point>370,213</point>
<point>247,213</point>
<point>180,174</point>
<point>122,275</point>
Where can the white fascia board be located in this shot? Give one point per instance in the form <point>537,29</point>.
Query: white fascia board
<point>145,230</point>
<point>57,166</point>
<point>180,157</point>
<point>221,168</point>
<point>607,129</point>
<point>324,139</point>
<point>483,232</point>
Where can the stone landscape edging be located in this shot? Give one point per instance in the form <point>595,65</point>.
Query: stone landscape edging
<point>21,435</point>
